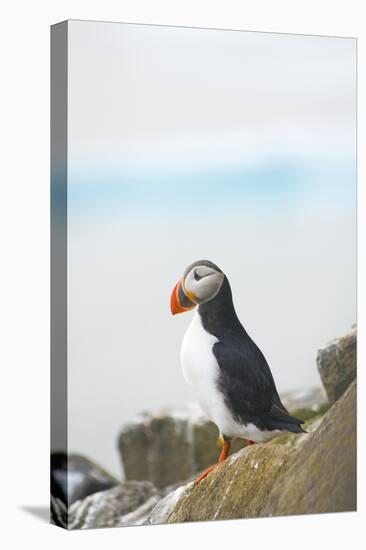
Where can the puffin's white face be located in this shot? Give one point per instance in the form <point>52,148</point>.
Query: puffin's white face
<point>200,283</point>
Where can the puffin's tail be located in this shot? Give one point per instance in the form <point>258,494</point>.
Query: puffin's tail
<point>281,420</point>
<point>294,428</point>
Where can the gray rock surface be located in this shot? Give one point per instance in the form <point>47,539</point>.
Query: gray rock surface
<point>337,364</point>
<point>163,509</point>
<point>58,512</point>
<point>75,476</point>
<point>128,503</point>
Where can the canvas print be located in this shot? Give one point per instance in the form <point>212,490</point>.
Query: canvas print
<point>203,266</point>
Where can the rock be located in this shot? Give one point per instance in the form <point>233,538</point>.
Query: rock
<point>337,365</point>
<point>158,450</point>
<point>174,445</point>
<point>317,474</point>
<point>240,484</point>
<point>296,440</point>
<point>127,503</point>
<point>161,512</point>
<point>58,512</point>
<point>169,447</point>
<point>75,477</point>
<point>322,475</point>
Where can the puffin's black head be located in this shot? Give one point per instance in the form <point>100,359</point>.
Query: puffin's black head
<point>201,282</point>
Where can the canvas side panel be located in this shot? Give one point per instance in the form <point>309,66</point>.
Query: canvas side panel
<point>59,37</point>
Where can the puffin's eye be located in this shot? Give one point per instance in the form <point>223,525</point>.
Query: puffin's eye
<point>197,276</point>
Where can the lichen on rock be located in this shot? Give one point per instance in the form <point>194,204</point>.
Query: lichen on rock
<point>322,475</point>
<point>241,483</point>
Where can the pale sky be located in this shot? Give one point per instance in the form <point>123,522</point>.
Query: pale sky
<point>238,147</point>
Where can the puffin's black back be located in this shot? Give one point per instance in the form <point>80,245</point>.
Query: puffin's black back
<point>245,378</point>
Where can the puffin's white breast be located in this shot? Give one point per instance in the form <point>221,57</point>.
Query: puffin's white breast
<point>201,372</point>
<point>200,368</point>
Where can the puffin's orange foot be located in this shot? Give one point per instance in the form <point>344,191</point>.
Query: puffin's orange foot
<point>223,456</point>
<point>250,442</point>
<point>205,473</point>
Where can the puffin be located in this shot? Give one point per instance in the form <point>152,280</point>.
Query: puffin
<point>228,372</point>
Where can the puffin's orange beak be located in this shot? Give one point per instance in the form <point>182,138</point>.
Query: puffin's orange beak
<point>179,302</point>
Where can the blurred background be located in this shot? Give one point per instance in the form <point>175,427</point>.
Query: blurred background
<point>237,147</point>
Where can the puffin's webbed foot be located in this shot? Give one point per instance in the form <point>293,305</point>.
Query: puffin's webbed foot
<point>205,473</point>
<point>223,455</point>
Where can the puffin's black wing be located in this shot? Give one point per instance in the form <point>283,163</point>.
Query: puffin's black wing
<point>248,387</point>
